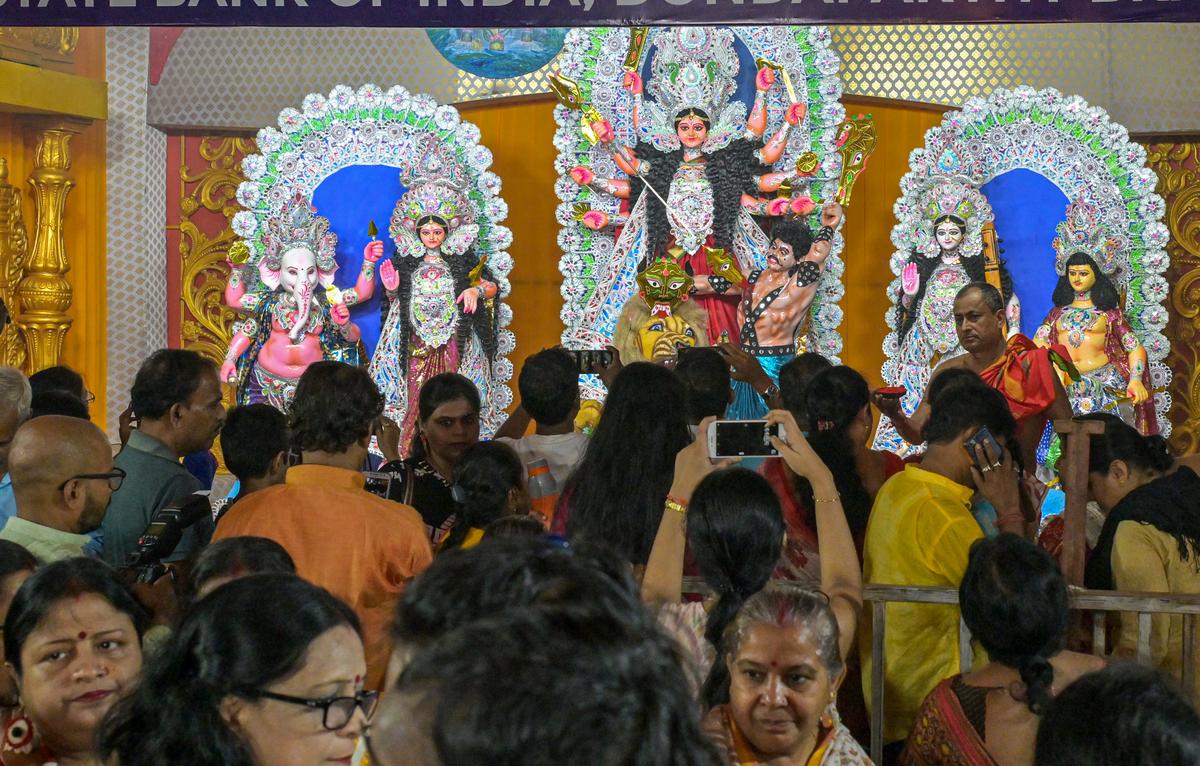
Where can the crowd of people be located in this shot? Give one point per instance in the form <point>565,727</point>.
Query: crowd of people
<point>656,605</point>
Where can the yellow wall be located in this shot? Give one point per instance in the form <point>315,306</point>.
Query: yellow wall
<point>520,134</point>
<point>85,234</point>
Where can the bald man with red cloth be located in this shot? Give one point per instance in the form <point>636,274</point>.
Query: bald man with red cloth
<point>1015,367</point>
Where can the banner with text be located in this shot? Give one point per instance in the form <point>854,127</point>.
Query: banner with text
<point>569,13</point>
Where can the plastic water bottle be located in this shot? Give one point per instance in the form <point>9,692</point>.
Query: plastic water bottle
<point>543,491</point>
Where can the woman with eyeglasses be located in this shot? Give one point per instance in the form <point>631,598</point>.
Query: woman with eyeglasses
<point>264,671</point>
<point>72,639</point>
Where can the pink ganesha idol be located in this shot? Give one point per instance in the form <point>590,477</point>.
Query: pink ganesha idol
<point>292,323</point>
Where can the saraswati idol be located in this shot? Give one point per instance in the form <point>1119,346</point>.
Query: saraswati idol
<point>301,317</point>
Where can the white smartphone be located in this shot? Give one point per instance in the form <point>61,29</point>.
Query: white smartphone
<point>743,438</point>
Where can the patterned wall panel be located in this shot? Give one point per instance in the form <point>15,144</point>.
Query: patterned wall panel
<point>136,162</point>
<point>1178,169</point>
<point>208,172</point>
<point>1146,75</point>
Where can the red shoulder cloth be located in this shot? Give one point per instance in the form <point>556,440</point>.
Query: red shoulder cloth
<point>1025,375</point>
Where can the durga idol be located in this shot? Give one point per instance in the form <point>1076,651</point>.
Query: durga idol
<point>294,323</point>
<point>695,176</point>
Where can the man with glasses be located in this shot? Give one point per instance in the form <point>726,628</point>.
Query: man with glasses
<point>63,476</point>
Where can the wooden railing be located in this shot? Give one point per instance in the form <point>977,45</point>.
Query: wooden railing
<point>1145,605</point>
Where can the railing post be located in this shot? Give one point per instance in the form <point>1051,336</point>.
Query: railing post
<point>1074,468</point>
<point>878,617</point>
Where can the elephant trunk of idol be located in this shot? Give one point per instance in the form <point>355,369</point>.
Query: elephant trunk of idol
<point>303,306</point>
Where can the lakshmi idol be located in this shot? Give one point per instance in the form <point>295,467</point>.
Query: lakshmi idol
<point>697,171</point>
<point>1088,322</point>
<point>437,313</point>
<point>295,323</point>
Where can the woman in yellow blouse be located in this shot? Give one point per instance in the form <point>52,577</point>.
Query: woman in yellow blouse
<point>1151,537</point>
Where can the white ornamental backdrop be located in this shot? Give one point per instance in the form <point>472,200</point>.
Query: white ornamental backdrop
<point>1089,157</point>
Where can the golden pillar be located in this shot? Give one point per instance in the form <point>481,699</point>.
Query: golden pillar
<point>43,294</point>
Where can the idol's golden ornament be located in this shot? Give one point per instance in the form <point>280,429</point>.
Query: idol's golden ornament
<point>14,246</point>
<point>43,294</point>
<point>1178,168</point>
<point>855,143</point>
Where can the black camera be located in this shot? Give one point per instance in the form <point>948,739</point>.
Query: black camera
<point>163,534</point>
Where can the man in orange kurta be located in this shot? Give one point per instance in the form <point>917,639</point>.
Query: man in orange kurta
<point>358,546</point>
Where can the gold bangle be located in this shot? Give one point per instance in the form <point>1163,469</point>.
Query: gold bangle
<point>837,498</point>
<point>677,505</point>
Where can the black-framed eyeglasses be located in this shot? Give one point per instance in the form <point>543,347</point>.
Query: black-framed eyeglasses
<point>115,478</point>
<point>336,711</point>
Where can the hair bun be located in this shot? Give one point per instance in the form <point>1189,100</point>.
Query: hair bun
<point>1159,453</point>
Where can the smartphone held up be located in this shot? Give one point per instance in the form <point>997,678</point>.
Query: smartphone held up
<point>743,438</point>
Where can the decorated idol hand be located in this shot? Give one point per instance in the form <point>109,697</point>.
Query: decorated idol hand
<point>388,275</point>
<point>779,206</point>
<point>595,219</point>
<point>581,175</point>
<point>803,205</point>
<point>228,373</point>
<point>910,279</point>
<point>340,313</point>
<point>373,251</point>
<point>1137,391</point>
<point>795,113</point>
<point>469,299</point>
<point>604,131</point>
<point>831,215</point>
<point>765,79</point>
<point>632,82</point>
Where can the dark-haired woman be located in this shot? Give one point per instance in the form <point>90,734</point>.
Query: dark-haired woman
<point>1088,322</point>
<point>16,565</point>
<point>73,640</point>
<point>448,408</point>
<point>1125,715</point>
<point>615,495</point>
<point>1014,601</point>
<point>1150,542</point>
<point>838,403</point>
<point>733,524</point>
<point>265,671</point>
<point>489,483</point>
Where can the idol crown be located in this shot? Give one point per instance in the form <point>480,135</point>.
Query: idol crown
<point>694,68</point>
<point>1082,232</point>
<point>298,226</point>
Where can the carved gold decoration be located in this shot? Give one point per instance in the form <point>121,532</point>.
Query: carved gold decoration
<point>14,246</point>
<point>1178,169</point>
<point>52,47</point>
<point>43,294</point>
<point>207,204</point>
